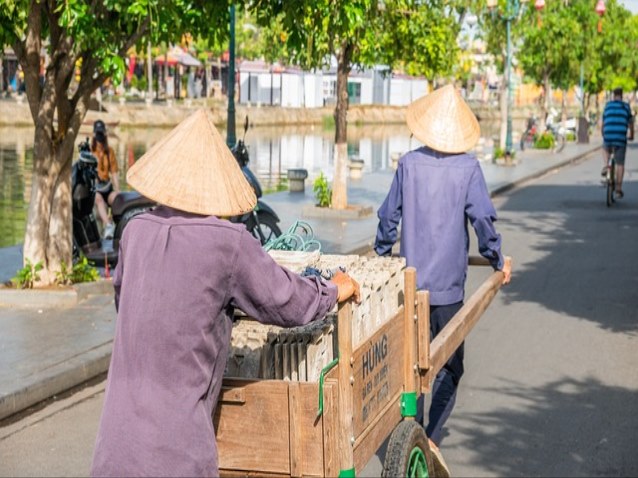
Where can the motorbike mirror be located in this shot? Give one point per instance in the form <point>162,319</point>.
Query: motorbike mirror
<point>245,126</point>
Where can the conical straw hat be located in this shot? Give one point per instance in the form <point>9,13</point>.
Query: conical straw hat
<point>192,170</point>
<point>443,121</point>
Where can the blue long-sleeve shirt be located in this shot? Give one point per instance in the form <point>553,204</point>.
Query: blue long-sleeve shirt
<point>434,195</point>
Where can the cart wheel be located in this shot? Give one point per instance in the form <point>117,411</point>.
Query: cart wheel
<point>408,452</point>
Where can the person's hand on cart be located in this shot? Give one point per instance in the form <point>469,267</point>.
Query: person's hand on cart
<point>347,287</point>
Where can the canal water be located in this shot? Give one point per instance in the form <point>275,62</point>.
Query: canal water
<point>273,150</point>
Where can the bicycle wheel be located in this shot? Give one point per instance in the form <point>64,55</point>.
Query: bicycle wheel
<point>611,183</point>
<point>527,140</point>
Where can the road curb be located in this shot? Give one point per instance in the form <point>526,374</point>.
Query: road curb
<point>62,297</point>
<point>513,184</point>
<point>56,379</point>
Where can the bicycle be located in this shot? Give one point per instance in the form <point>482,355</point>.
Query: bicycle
<point>610,177</point>
<point>529,136</point>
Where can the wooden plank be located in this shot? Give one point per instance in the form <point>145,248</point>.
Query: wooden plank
<point>294,414</point>
<point>378,366</point>
<point>232,395</point>
<point>371,440</point>
<point>409,327</point>
<point>245,474</point>
<point>453,334</point>
<point>312,449</point>
<point>330,420</point>
<point>346,433</point>
<point>423,326</point>
<point>261,421</point>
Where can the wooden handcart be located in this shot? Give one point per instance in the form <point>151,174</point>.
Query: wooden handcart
<point>334,427</point>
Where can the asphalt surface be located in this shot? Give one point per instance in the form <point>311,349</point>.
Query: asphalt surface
<point>551,385</point>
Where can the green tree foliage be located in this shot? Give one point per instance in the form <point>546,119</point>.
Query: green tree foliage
<point>420,36</point>
<point>89,38</point>
<point>552,52</point>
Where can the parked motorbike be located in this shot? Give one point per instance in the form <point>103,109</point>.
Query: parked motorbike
<point>86,234</point>
<point>566,127</point>
<point>261,221</point>
<point>531,133</point>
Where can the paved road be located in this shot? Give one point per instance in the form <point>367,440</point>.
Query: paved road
<point>551,384</point>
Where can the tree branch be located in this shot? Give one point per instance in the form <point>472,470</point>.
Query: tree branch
<point>30,57</point>
<point>141,31</point>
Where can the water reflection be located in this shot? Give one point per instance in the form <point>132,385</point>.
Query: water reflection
<point>16,164</point>
<point>273,150</point>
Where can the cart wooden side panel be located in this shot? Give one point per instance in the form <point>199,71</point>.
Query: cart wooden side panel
<point>269,426</point>
<point>378,366</point>
<point>330,426</point>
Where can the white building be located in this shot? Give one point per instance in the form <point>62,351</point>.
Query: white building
<point>263,84</point>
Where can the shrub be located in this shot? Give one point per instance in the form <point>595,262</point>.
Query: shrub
<point>544,141</point>
<point>570,136</point>
<point>322,190</point>
<point>83,271</point>
<point>499,152</point>
<point>26,276</point>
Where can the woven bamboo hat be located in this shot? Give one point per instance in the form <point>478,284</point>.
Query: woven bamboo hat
<point>443,121</point>
<point>192,169</point>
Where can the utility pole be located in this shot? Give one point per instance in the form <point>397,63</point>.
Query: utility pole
<point>230,119</point>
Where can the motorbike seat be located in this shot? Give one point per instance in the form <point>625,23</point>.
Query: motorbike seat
<point>127,199</point>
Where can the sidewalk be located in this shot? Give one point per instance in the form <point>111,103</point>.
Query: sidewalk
<point>45,351</point>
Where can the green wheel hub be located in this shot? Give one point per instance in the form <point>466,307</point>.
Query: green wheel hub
<point>417,464</point>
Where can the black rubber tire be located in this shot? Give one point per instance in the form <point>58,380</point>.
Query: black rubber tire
<point>527,141</point>
<point>268,228</point>
<point>126,217</point>
<point>407,436</point>
<point>611,184</point>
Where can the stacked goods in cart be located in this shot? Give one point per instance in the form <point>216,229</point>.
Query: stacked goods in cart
<point>301,353</point>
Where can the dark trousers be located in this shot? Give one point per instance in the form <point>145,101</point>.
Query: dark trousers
<point>447,380</point>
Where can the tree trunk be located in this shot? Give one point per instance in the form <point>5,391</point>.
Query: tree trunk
<point>48,235</point>
<point>340,180</point>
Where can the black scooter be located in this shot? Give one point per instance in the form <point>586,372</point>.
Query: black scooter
<point>261,221</point>
<point>86,235</point>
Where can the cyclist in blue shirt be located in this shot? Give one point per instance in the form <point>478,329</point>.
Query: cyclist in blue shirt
<point>617,119</point>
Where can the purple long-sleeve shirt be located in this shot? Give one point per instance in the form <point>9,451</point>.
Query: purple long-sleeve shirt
<point>177,281</point>
<point>434,195</point>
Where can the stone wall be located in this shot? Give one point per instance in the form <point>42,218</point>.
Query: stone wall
<point>138,114</point>
<point>165,114</point>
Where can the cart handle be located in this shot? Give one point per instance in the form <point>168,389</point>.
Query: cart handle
<point>478,261</point>
<point>448,340</point>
